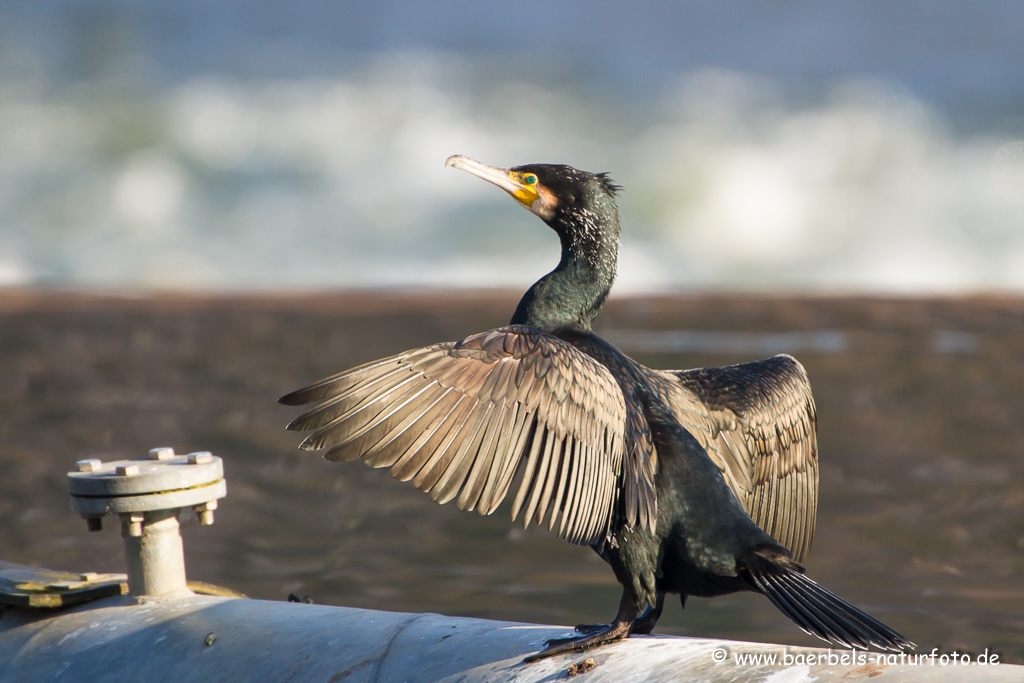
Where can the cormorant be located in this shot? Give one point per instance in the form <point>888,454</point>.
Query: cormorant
<point>694,482</point>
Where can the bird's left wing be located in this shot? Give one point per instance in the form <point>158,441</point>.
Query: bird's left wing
<point>459,419</point>
<point>758,423</point>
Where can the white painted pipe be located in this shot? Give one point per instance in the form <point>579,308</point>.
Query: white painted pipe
<point>200,638</point>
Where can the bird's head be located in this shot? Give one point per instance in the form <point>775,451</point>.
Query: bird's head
<point>558,194</point>
<point>580,207</point>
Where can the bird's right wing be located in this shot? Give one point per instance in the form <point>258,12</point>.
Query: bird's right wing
<point>459,420</point>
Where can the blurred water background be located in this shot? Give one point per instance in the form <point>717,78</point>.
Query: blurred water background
<point>836,146</point>
<point>819,152</point>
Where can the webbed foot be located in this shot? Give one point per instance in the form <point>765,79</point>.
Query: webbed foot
<point>608,633</point>
<point>585,629</point>
<point>642,625</point>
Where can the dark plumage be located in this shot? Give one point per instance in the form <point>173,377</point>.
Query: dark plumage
<point>695,482</point>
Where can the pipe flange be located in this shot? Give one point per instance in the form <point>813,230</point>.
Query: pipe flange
<point>162,482</point>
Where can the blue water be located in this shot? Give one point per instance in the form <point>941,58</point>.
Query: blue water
<point>823,147</point>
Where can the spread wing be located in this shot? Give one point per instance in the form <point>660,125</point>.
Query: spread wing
<point>461,419</point>
<point>759,425</point>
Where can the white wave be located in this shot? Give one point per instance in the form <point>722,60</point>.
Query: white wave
<point>731,182</point>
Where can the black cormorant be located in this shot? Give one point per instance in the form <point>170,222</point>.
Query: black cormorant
<point>695,482</point>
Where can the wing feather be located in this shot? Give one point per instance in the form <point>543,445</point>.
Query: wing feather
<point>454,475</point>
<point>533,472</point>
<point>412,459</point>
<point>445,465</point>
<point>571,506</point>
<point>541,497</point>
<point>435,449</point>
<point>496,464</point>
<point>522,443</point>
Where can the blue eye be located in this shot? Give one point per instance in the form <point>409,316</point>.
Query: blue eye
<point>530,179</point>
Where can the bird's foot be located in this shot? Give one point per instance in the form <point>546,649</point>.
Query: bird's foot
<point>642,625</point>
<point>607,633</point>
<point>645,623</point>
<point>585,629</point>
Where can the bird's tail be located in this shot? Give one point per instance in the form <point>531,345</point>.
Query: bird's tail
<point>824,614</point>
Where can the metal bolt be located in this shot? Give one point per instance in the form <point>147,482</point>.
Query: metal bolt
<point>127,470</point>
<point>93,522</point>
<point>200,458</point>
<point>161,453</point>
<point>132,523</point>
<point>90,465</point>
<point>205,512</point>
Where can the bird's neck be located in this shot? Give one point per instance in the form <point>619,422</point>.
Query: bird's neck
<point>573,293</point>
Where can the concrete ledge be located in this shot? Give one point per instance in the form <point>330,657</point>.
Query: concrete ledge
<point>201,638</point>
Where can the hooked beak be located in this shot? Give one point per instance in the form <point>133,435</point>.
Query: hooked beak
<point>502,177</point>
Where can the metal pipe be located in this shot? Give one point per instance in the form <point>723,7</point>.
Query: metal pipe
<point>221,639</point>
<point>154,554</point>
